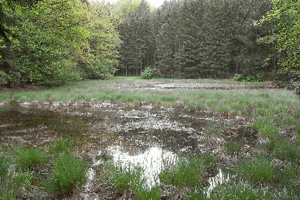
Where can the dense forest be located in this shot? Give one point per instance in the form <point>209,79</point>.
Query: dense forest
<point>54,41</point>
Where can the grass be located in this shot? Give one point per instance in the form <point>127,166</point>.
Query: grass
<point>68,174</point>
<point>28,158</point>
<point>233,147</point>
<point>123,180</point>
<point>4,164</point>
<point>62,146</point>
<point>239,190</point>
<point>283,150</point>
<point>67,171</point>
<point>271,113</point>
<point>188,173</point>
<point>258,170</point>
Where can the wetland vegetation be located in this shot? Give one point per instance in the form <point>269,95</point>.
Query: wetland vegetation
<point>202,143</point>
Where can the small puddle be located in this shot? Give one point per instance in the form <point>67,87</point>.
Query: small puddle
<point>151,162</point>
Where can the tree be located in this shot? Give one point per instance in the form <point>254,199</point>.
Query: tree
<point>103,43</point>
<point>136,34</point>
<point>284,22</point>
<point>48,41</point>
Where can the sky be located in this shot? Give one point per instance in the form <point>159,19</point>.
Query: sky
<point>155,3</point>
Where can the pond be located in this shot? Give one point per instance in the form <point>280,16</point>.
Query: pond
<point>147,136</point>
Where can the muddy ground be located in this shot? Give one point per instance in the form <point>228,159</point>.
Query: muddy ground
<point>190,85</point>
<point>130,135</point>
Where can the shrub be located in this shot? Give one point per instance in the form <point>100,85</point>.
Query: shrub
<point>28,158</point>
<point>250,78</point>
<point>149,73</point>
<point>238,77</point>
<point>69,172</point>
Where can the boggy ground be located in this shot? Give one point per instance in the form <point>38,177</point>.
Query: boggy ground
<point>249,144</point>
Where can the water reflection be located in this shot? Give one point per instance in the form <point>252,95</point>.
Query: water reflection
<point>219,179</point>
<point>152,162</point>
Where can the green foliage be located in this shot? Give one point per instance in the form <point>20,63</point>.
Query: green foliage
<point>149,73</point>
<point>284,25</point>
<point>28,158</point>
<point>103,43</point>
<point>258,170</point>
<point>68,173</point>
<point>194,39</point>
<point>52,42</point>
<point>250,78</point>
<point>187,173</point>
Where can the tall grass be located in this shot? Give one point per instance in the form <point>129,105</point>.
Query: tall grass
<point>123,180</point>
<point>258,170</point>
<point>239,190</point>
<point>4,164</point>
<point>187,173</point>
<point>68,173</point>
<point>28,158</point>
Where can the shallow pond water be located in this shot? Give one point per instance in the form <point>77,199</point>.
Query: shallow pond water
<point>144,136</point>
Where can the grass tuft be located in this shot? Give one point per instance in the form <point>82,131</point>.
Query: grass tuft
<point>62,146</point>
<point>28,158</point>
<point>258,170</point>
<point>233,147</point>
<point>187,173</point>
<point>122,180</point>
<point>281,149</point>
<point>69,173</point>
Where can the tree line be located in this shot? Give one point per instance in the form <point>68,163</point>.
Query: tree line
<point>49,42</point>
<point>195,38</point>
